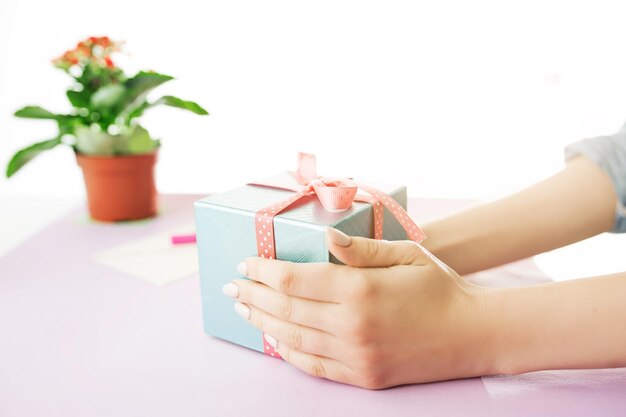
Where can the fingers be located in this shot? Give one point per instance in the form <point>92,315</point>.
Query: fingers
<point>297,337</point>
<point>317,366</point>
<point>329,282</point>
<point>363,252</point>
<point>309,313</point>
<point>315,352</point>
<point>315,281</point>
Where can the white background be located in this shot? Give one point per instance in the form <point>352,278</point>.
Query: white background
<point>452,98</point>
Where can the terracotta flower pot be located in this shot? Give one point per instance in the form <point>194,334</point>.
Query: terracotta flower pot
<point>120,187</point>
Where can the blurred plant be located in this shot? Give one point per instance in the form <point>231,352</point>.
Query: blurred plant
<point>106,102</point>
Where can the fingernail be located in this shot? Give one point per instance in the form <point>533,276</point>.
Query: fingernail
<point>338,237</point>
<point>243,310</point>
<point>273,342</point>
<point>242,268</point>
<point>231,290</point>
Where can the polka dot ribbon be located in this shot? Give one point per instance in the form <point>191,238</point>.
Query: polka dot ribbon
<point>306,175</point>
<point>413,232</point>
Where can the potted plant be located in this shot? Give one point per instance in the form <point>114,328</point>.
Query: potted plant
<point>117,154</point>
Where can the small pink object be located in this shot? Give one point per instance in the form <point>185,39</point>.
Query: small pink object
<point>181,239</point>
<point>335,194</point>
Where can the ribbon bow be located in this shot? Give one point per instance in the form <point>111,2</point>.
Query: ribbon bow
<point>335,194</point>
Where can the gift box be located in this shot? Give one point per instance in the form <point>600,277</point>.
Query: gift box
<point>226,229</point>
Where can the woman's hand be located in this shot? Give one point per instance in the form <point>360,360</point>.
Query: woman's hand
<point>394,314</point>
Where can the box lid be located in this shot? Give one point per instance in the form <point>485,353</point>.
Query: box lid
<point>251,198</point>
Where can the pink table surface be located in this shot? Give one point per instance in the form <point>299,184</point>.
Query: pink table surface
<point>78,339</point>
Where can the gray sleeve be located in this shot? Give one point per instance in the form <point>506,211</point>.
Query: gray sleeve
<point>609,153</point>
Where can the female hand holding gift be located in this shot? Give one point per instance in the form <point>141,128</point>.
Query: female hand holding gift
<point>395,314</point>
<point>392,315</point>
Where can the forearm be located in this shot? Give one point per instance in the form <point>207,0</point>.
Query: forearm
<point>564,325</point>
<point>572,205</point>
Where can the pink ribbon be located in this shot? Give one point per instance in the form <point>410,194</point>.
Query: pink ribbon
<point>335,194</point>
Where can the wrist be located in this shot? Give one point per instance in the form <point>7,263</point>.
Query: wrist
<point>529,336</point>
<point>481,346</point>
<point>497,339</point>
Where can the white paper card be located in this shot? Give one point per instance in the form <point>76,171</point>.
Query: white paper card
<point>153,258</point>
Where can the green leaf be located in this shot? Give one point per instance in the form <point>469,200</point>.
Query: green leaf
<point>22,157</point>
<point>78,98</point>
<point>137,141</point>
<point>137,88</point>
<point>143,82</point>
<point>168,101</point>
<point>67,124</point>
<point>136,110</point>
<point>94,142</point>
<point>35,112</point>
<point>130,141</point>
<point>108,96</point>
<point>181,104</point>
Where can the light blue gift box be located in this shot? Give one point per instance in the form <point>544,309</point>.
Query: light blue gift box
<point>225,229</point>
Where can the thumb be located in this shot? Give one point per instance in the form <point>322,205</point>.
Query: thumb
<point>363,252</point>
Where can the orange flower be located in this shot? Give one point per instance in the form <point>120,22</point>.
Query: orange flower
<point>70,56</point>
<point>83,49</point>
<point>102,41</point>
<point>83,53</point>
<point>105,42</point>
